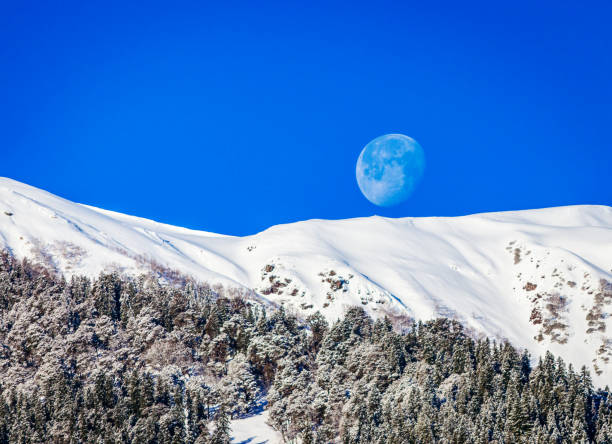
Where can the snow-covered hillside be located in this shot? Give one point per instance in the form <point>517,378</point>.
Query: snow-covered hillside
<point>540,278</point>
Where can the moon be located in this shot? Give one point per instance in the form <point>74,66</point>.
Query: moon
<point>389,169</point>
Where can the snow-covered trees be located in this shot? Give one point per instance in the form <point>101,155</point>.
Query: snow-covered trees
<point>133,361</point>
<point>433,384</point>
<point>240,385</point>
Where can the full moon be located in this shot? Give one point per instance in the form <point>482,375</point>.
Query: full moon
<point>389,169</point>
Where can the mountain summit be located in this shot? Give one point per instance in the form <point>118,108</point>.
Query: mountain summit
<point>541,279</point>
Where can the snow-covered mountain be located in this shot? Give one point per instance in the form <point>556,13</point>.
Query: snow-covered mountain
<point>539,278</point>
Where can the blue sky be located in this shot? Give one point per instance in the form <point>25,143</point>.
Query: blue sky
<point>233,118</point>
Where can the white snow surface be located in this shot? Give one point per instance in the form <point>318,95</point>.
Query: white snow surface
<point>536,277</point>
<point>254,430</point>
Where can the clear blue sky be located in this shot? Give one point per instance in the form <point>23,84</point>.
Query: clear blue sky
<point>233,118</point>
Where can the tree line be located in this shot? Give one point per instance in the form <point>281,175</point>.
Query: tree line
<point>131,360</point>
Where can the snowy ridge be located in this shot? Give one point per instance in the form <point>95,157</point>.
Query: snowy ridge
<point>540,278</point>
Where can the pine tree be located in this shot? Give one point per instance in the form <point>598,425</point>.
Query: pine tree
<point>221,434</point>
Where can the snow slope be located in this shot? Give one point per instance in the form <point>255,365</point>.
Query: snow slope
<point>539,278</point>
<point>254,430</point>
